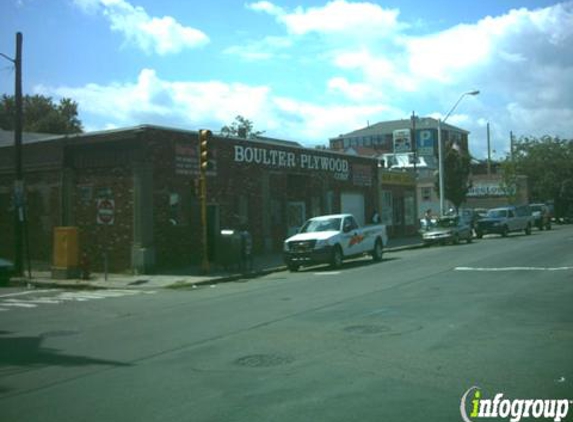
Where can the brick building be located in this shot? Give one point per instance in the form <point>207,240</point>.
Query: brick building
<point>133,193</point>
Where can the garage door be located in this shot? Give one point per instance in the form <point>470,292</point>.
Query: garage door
<point>353,203</point>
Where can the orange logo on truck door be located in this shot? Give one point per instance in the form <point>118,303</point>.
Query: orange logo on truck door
<point>355,240</point>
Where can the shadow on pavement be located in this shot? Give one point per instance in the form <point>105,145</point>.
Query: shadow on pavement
<point>28,352</point>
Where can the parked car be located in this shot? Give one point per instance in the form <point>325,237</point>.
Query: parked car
<point>505,220</point>
<point>447,229</point>
<point>331,239</point>
<point>541,216</point>
<point>6,270</point>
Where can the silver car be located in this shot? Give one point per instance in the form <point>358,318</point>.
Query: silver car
<point>447,230</point>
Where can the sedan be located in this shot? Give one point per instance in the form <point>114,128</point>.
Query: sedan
<point>447,230</point>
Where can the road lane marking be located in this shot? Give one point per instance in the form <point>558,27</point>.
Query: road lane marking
<point>328,273</point>
<point>10,301</point>
<point>25,293</point>
<point>17,304</point>
<point>513,269</point>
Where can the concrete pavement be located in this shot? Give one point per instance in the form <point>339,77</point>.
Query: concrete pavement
<point>262,265</point>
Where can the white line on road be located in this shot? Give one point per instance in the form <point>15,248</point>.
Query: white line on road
<point>328,273</point>
<point>17,304</point>
<point>513,269</point>
<point>25,293</point>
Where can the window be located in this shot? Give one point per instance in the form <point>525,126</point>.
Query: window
<point>426,194</point>
<point>387,208</point>
<point>350,224</point>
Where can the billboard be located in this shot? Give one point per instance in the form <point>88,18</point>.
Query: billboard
<point>402,140</point>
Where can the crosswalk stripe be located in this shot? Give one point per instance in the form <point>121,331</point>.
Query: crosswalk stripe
<point>9,302</point>
<point>19,305</point>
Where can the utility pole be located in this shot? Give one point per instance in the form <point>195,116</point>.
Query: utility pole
<point>414,144</point>
<point>488,152</point>
<point>511,145</point>
<point>19,182</point>
<point>19,197</point>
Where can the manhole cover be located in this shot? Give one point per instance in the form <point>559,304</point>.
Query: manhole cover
<point>367,329</point>
<point>263,361</point>
<point>58,333</point>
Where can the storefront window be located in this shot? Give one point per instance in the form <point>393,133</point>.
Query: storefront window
<point>386,214</point>
<point>426,194</point>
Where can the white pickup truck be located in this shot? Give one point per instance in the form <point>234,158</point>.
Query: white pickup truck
<point>331,239</point>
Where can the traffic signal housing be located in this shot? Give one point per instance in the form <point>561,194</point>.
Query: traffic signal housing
<point>204,146</point>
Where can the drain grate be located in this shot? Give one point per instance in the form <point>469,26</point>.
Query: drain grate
<point>264,360</point>
<point>367,329</point>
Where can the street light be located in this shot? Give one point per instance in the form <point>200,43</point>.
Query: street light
<point>440,150</point>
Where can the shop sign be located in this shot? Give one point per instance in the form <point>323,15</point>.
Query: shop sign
<point>186,160</point>
<point>361,175</point>
<point>402,140</point>
<point>482,190</point>
<point>292,160</point>
<point>402,179</point>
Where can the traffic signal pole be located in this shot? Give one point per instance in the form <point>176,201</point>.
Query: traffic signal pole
<point>204,141</point>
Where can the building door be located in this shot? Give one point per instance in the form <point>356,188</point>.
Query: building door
<point>296,216</point>
<point>353,203</point>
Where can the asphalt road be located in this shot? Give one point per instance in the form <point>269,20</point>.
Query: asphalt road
<point>400,340</point>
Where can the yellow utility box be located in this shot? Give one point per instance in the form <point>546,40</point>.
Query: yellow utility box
<point>66,257</point>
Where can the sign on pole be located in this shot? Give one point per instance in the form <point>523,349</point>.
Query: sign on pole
<point>105,211</point>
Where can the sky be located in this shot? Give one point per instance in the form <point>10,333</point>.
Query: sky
<point>302,70</point>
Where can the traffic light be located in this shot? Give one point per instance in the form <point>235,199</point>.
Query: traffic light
<point>204,153</point>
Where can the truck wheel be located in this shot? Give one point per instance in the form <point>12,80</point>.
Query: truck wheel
<point>548,227</point>
<point>377,251</point>
<point>336,259</point>
<point>528,230</point>
<point>293,268</point>
<point>456,239</point>
<point>479,234</point>
<point>505,231</point>
<point>470,238</point>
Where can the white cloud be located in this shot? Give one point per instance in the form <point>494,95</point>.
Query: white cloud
<point>521,61</point>
<point>151,34</point>
<point>338,16</point>
<point>267,7</point>
<point>212,104</point>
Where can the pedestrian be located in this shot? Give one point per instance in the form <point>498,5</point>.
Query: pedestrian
<point>375,217</point>
<point>427,219</point>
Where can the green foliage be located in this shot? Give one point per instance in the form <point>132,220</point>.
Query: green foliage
<point>241,127</point>
<point>41,114</point>
<point>456,176</point>
<point>548,164</point>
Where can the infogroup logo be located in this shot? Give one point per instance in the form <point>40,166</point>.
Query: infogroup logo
<point>514,409</point>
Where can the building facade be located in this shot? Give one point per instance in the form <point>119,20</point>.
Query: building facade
<point>392,142</point>
<point>133,193</point>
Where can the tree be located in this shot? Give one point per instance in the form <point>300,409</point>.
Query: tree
<point>546,162</point>
<point>241,127</point>
<point>41,114</point>
<point>456,176</point>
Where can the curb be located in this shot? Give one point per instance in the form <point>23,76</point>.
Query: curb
<point>83,285</point>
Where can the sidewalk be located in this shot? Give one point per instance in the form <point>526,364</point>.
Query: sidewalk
<point>262,265</point>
